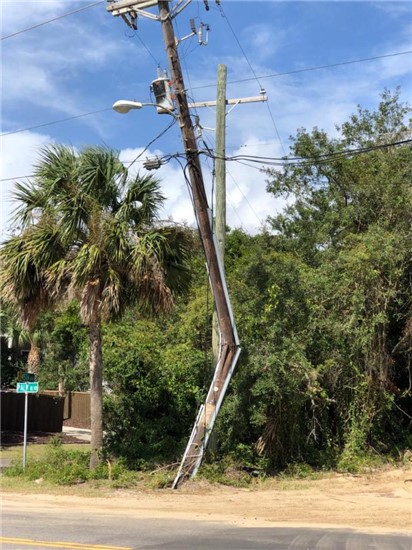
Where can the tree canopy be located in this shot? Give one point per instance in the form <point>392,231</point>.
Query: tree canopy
<point>329,341</point>
<point>90,231</point>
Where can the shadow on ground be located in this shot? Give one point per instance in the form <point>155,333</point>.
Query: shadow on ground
<point>12,439</point>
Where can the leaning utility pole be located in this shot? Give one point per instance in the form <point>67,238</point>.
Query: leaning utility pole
<point>229,344</point>
<point>229,349</point>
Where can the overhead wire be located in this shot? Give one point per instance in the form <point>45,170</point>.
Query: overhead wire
<point>267,161</point>
<point>319,159</point>
<point>147,48</point>
<point>52,20</point>
<point>240,191</point>
<point>210,86</point>
<point>245,159</point>
<point>67,119</point>
<point>254,74</point>
<point>153,140</point>
<point>308,69</point>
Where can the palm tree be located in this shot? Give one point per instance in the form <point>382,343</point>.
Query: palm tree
<point>90,231</point>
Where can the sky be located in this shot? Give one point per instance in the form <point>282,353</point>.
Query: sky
<point>82,63</point>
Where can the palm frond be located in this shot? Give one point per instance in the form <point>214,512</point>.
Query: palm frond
<point>22,282</point>
<point>31,201</point>
<point>111,303</point>
<point>101,174</point>
<point>142,201</point>
<point>87,264</point>
<point>56,170</point>
<point>90,231</point>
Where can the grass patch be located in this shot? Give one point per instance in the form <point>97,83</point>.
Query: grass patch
<point>56,465</point>
<point>362,462</point>
<point>36,451</point>
<point>228,472</point>
<point>300,470</point>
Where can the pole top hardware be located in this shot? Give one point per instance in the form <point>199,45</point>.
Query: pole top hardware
<point>138,4</point>
<point>133,8</point>
<point>125,7</point>
<point>202,33</point>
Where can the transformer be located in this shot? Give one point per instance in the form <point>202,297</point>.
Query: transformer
<point>163,95</point>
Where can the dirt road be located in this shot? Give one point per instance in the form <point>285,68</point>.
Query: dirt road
<point>379,502</point>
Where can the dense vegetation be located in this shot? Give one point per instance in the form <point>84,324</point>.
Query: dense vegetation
<point>89,230</point>
<point>323,306</point>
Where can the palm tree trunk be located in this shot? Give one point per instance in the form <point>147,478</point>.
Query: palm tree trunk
<point>33,359</point>
<point>96,390</point>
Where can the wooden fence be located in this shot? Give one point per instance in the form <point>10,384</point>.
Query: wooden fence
<point>76,410</point>
<point>45,412</point>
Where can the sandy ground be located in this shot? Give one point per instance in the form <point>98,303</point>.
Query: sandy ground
<point>379,502</point>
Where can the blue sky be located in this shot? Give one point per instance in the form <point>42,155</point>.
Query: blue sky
<point>86,61</point>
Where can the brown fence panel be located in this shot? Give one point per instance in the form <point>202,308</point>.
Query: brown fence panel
<point>45,412</point>
<point>76,408</point>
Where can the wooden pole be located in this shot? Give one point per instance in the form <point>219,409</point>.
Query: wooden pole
<point>228,338</point>
<point>220,164</point>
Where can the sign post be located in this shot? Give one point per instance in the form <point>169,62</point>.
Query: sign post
<point>26,388</point>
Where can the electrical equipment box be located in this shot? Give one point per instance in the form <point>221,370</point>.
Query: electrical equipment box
<point>163,95</point>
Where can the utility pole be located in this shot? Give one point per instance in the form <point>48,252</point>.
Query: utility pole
<point>220,172</point>
<point>229,348</point>
<point>220,205</point>
<point>220,164</point>
<point>229,345</point>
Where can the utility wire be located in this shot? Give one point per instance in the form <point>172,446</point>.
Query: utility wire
<point>147,49</point>
<point>238,187</point>
<point>320,159</point>
<point>55,122</point>
<point>214,85</point>
<point>255,76</point>
<point>273,161</point>
<point>153,140</point>
<point>51,20</point>
<point>317,68</point>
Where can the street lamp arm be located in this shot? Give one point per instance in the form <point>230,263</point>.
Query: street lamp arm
<point>123,106</point>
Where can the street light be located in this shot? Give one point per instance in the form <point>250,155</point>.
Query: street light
<point>123,106</point>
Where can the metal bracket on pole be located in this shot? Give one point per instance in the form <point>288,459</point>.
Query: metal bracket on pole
<point>180,6</point>
<point>234,102</point>
<point>125,7</point>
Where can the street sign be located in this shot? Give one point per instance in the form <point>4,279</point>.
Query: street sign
<point>28,377</point>
<point>27,387</point>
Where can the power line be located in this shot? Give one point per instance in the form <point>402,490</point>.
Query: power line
<point>255,76</point>
<point>214,85</point>
<point>51,20</point>
<point>174,120</point>
<point>54,122</point>
<point>147,49</point>
<point>275,161</point>
<point>321,158</point>
<point>317,68</point>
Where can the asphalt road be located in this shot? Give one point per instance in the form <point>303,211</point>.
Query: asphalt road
<point>22,529</point>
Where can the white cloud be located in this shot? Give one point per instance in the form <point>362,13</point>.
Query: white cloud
<point>18,155</point>
<point>266,40</point>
